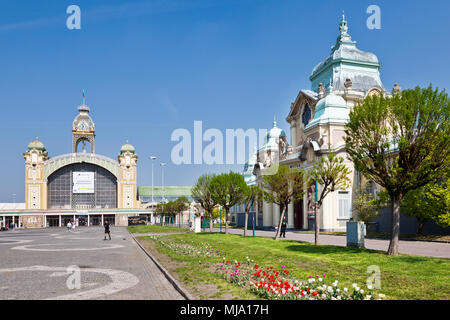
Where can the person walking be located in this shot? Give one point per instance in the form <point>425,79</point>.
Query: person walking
<point>69,226</point>
<point>283,228</point>
<point>107,230</point>
<point>73,226</point>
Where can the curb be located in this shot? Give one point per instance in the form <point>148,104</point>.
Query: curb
<point>174,282</point>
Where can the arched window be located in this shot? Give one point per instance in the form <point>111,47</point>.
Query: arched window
<point>306,116</point>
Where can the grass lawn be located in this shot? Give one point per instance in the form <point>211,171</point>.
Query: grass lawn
<point>155,229</point>
<point>382,235</point>
<point>402,277</point>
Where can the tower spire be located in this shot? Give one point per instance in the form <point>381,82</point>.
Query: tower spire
<point>84,98</point>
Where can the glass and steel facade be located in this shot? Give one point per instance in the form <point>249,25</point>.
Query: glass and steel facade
<point>61,196</point>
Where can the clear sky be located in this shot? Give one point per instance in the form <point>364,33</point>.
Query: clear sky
<point>149,67</point>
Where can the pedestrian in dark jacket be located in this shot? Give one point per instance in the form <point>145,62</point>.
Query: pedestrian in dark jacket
<point>283,228</point>
<point>107,230</point>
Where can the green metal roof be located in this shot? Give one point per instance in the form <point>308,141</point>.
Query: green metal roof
<point>169,191</point>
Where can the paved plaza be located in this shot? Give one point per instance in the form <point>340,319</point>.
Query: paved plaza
<point>45,264</point>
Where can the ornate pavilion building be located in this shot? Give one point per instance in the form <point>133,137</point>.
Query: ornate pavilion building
<point>317,118</point>
<point>80,186</point>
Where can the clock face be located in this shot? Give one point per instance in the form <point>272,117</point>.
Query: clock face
<point>83,126</point>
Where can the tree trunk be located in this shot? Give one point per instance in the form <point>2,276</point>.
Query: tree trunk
<point>393,244</point>
<point>211,225</point>
<point>245,223</point>
<point>226,220</point>
<point>279,223</point>
<point>420,225</point>
<point>317,224</point>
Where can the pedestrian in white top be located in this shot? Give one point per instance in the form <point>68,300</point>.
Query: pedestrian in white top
<point>69,226</point>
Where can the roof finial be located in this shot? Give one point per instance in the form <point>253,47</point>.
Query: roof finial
<point>274,121</point>
<point>343,28</point>
<point>84,98</point>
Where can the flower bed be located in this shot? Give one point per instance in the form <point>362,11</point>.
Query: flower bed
<point>278,284</point>
<point>186,248</point>
<point>267,282</point>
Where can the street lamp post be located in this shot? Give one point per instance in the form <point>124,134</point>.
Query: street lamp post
<point>163,164</point>
<point>153,158</point>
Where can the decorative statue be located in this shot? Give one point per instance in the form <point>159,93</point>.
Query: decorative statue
<point>282,148</point>
<point>311,198</point>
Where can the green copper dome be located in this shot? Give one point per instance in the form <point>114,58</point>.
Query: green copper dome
<point>127,148</point>
<point>36,144</point>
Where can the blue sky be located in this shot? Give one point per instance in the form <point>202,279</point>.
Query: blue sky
<point>149,67</point>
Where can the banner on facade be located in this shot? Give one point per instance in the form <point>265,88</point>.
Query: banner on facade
<point>137,220</point>
<point>83,182</point>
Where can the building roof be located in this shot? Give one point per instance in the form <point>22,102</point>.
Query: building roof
<point>346,61</point>
<point>12,206</point>
<point>169,191</point>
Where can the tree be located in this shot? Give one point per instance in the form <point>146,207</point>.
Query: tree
<point>400,142</point>
<point>159,211</point>
<point>227,190</point>
<point>251,194</point>
<point>282,188</point>
<point>201,193</point>
<point>331,174</point>
<point>170,209</point>
<point>181,204</point>
<point>430,202</point>
<point>367,206</point>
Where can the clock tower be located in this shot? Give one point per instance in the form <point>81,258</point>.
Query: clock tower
<point>127,183</point>
<point>83,129</point>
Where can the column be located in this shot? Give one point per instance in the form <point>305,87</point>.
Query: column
<point>60,221</point>
<point>267,214</point>
<point>293,134</point>
<point>88,220</point>
<point>305,207</point>
<point>276,214</point>
<point>290,213</point>
<point>102,219</point>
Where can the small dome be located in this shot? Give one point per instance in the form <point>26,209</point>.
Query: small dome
<point>127,148</point>
<point>275,132</point>
<point>331,100</point>
<point>36,144</point>
<point>330,109</point>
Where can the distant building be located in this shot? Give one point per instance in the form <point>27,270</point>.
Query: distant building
<point>162,194</point>
<point>79,186</point>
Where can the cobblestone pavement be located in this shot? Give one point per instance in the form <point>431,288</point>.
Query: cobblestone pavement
<point>36,264</point>
<point>418,248</point>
